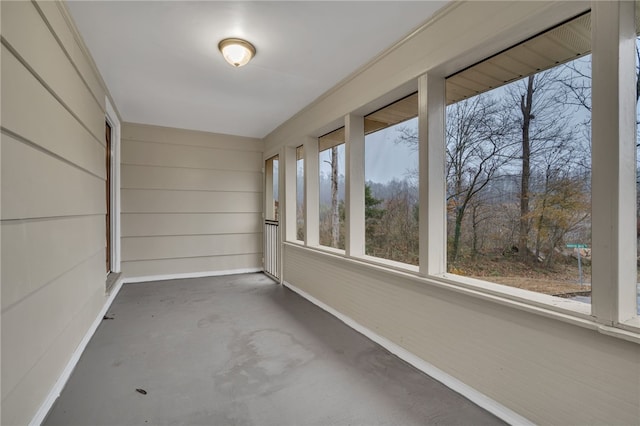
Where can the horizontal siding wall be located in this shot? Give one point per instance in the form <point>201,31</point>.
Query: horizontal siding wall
<point>52,227</point>
<point>547,371</point>
<point>191,202</point>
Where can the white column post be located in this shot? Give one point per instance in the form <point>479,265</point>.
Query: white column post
<point>432,212</point>
<point>613,157</point>
<point>311,192</point>
<point>354,181</point>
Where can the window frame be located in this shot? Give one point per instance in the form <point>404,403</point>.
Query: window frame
<point>613,310</point>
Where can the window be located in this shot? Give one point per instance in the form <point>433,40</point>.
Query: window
<point>331,189</point>
<point>506,172</point>
<point>518,170</point>
<point>300,193</point>
<point>391,182</point>
<point>271,182</point>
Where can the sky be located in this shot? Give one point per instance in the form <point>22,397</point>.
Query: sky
<point>385,159</point>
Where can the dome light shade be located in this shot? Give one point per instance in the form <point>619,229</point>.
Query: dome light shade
<point>236,51</point>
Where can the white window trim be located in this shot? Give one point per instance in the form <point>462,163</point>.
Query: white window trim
<point>288,198</point>
<point>431,163</point>
<point>613,308</point>
<point>354,185</point>
<point>613,164</point>
<point>114,122</point>
<point>311,193</point>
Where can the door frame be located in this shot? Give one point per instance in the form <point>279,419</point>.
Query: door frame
<point>112,118</point>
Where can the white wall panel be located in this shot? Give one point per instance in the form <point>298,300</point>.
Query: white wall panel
<point>146,248</point>
<point>27,396</point>
<point>153,177</point>
<point>58,18</point>
<point>160,154</point>
<point>169,135</point>
<point>54,245</point>
<point>192,265</point>
<point>25,102</point>
<point>35,184</point>
<point>47,58</point>
<point>139,225</point>
<point>43,317</point>
<point>163,201</point>
<point>191,202</point>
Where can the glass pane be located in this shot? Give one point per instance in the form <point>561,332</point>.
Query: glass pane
<point>519,182</point>
<point>275,188</point>
<point>391,192</point>
<point>271,183</point>
<point>332,212</point>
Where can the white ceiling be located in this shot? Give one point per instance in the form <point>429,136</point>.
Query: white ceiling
<point>160,61</point>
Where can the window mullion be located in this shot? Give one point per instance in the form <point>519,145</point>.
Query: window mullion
<point>354,185</point>
<point>613,144</point>
<point>432,212</point>
<point>311,193</point>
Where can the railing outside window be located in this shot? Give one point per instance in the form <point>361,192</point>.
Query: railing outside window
<point>271,251</point>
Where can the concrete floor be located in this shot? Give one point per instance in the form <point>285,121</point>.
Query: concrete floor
<point>241,350</point>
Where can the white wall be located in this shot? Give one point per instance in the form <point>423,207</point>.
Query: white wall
<point>546,367</point>
<point>191,202</point>
<point>53,201</point>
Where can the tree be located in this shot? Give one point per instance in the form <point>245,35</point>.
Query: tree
<point>476,149</point>
<point>392,232</point>
<point>335,217</point>
<point>560,208</point>
<point>543,123</point>
<point>370,203</point>
<point>332,225</point>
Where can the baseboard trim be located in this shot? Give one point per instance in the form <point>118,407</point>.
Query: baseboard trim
<point>190,275</point>
<point>449,381</point>
<point>53,395</point>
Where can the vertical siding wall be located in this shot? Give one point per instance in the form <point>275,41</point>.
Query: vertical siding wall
<point>191,202</point>
<point>53,201</point>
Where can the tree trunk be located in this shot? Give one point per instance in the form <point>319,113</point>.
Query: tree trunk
<point>474,221</point>
<point>335,217</point>
<point>525,107</point>
<point>541,218</point>
<point>456,233</point>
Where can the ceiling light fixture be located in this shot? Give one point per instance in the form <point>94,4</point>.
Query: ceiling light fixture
<point>236,51</point>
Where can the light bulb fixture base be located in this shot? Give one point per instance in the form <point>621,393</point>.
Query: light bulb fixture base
<point>236,51</point>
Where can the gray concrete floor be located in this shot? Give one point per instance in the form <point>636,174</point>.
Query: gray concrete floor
<point>242,350</point>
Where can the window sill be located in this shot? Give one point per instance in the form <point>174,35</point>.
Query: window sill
<point>629,329</point>
<point>518,294</point>
<point>398,266</point>
<point>567,311</point>
<point>328,249</point>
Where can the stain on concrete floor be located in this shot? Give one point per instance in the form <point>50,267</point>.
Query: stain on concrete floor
<point>242,350</point>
